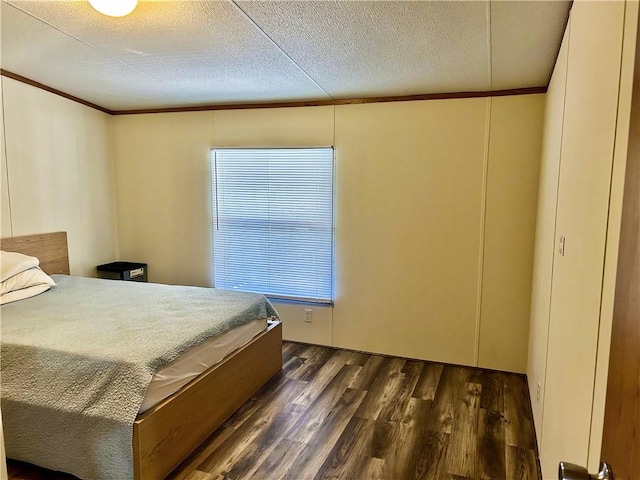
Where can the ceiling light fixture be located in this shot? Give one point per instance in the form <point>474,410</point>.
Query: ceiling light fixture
<point>114,8</point>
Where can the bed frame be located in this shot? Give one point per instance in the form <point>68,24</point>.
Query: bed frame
<point>167,433</point>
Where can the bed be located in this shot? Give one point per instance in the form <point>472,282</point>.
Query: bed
<point>166,432</point>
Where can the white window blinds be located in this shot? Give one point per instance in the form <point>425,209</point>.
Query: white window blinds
<point>273,221</point>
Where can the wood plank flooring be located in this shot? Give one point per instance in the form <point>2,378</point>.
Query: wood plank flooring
<point>337,414</point>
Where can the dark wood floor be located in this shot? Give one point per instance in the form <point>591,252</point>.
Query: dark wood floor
<point>344,415</point>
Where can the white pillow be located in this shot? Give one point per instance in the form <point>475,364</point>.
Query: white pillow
<point>12,263</point>
<point>26,279</point>
<point>21,277</point>
<point>23,293</point>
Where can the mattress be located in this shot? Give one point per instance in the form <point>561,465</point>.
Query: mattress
<point>175,375</point>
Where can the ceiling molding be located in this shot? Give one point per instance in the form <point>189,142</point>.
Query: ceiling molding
<point>346,101</point>
<point>41,86</point>
<point>312,103</point>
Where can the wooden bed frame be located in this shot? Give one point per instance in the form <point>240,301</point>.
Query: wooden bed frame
<point>167,433</point>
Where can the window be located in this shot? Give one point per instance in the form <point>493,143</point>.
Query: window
<point>273,221</point>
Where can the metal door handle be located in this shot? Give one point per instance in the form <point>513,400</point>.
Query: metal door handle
<point>570,471</point>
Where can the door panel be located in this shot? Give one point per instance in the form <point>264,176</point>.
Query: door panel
<point>621,435</point>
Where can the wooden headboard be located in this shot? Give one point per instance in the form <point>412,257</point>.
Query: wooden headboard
<point>50,248</point>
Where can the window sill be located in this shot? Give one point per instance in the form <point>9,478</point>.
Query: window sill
<point>291,301</point>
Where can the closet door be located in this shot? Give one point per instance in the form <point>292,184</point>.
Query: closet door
<point>590,114</point>
<point>546,233</point>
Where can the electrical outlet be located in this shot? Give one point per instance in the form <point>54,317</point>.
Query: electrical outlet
<point>307,315</point>
<point>538,389</point>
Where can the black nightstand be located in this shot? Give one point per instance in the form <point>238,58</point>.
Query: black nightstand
<point>128,271</point>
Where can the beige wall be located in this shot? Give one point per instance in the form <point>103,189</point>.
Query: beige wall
<point>164,194</point>
<point>411,182</point>
<point>511,205</point>
<point>580,200</point>
<point>59,173</point>
<point>409,189</point>
<point>5,210</point>
<point>5,230</point>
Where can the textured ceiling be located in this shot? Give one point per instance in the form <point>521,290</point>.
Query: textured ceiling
<point>188,53</point>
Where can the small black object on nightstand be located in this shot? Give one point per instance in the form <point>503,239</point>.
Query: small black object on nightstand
<point>128,271</point>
